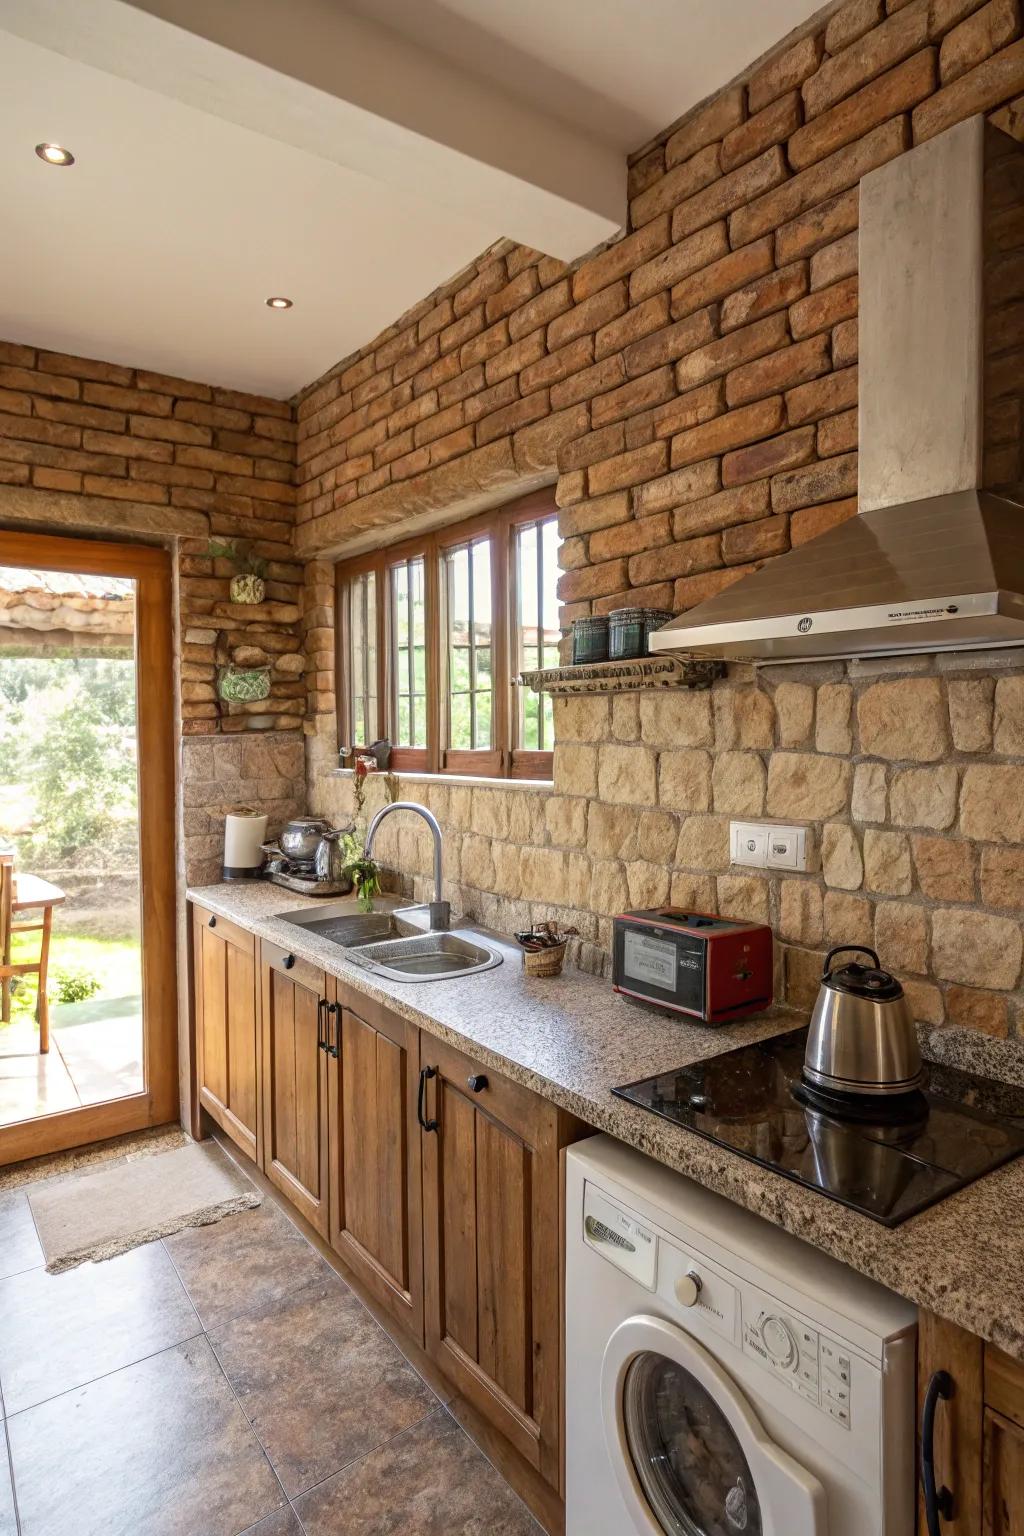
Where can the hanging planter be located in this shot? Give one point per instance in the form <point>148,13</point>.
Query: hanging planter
<point>243,685</point>
<point>248,589</point>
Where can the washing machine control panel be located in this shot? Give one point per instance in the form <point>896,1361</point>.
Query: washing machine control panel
<point>619,1237</point>
<point>816,1367</point>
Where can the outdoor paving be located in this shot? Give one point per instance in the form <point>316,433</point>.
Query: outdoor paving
<point>95,1054</point>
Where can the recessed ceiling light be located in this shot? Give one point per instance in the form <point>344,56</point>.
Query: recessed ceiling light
<point>277,302</point>
<point>55,154</point>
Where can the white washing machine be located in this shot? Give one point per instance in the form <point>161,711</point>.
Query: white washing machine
<point>723,1378</point>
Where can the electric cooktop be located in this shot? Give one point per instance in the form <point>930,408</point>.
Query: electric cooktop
<point>887,1162</point>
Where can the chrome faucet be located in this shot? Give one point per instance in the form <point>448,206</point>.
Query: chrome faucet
<point>440,910</point>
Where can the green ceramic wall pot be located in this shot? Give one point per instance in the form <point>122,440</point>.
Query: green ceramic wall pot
<point>243,685</point>
<point>248,589</point>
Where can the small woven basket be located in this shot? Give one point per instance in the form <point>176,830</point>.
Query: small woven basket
<point>544,962</point>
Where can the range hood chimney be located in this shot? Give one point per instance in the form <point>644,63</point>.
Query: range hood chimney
<point>934,559</point>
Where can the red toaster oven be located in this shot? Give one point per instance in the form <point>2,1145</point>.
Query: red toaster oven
<point>711,968</point>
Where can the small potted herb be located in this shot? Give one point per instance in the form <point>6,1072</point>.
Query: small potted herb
<point>248,585</point>
<point>363,872</point>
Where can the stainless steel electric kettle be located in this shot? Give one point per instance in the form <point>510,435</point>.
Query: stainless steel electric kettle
<point>862,1038</point>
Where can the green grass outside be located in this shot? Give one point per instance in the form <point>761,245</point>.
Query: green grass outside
<point>115,963</point>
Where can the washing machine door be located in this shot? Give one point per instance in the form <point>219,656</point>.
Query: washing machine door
<point>690,1454</point>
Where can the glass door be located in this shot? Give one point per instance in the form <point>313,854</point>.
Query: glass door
<point>87,1015</point>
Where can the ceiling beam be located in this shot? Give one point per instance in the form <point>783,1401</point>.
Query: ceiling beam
<point>348,90</point>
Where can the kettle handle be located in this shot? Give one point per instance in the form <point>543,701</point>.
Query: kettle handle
<point>852,949</point>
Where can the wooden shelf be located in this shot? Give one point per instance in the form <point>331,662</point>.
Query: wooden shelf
<point>624,676</point>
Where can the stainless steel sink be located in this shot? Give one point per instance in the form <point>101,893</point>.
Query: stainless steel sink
<point>425,957</point>
<point>390,944</point>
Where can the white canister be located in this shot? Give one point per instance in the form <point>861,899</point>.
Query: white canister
<point>244,831</point>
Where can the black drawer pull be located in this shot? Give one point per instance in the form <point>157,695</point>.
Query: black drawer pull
<point>425,1076</point>
<point>331,1044</point>
<point>478,1082</point>
<point>321,1034</point>
<point>938,1502</point>
<point>212,923</point>
<point>288,962</point>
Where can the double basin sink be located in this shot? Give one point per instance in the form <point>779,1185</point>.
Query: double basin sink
<point>391,945</point>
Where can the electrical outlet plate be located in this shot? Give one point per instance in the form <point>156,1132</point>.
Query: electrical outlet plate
<point>763,845</point>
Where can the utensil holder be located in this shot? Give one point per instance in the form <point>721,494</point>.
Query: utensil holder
<point>544,962</point>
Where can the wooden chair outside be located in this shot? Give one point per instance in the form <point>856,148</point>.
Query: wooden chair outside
<point>18,894</point>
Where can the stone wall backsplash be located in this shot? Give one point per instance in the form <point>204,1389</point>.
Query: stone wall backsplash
<point>908,775</point>
<point>265,771</point>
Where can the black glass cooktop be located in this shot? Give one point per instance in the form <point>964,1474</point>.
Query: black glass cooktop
<point>752,1101</point>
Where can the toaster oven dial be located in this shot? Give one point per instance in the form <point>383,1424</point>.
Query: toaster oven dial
<point>782,1348</point>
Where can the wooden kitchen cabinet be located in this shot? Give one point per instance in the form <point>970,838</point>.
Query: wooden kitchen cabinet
<point>492,1246</point>
<point>295,996</point>
<point>375,1187</point>
<point>979,1431</point>
<point>227,1027</point>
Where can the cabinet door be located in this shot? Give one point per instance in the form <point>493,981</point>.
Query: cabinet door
<point>376,1218</point>
<point>942,1346</point>
<point>295,1081</point>
<point>491,1250</point>
<point>226,1019</point>
<point>1004,1476</point>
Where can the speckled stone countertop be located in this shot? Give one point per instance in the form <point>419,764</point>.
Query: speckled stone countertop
<point>572,1039</point>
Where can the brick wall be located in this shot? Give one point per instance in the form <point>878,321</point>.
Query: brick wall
<point>693,388</point>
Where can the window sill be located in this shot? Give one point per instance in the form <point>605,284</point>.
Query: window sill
<point>407,775</point>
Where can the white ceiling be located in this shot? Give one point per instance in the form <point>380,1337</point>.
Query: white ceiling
<point>211,174</point>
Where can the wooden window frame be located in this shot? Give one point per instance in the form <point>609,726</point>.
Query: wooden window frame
<point>505,758</point>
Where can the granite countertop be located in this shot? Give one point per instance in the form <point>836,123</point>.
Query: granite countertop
<point>572,1039</point>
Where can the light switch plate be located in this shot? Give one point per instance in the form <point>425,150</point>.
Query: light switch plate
<point>763,845</point>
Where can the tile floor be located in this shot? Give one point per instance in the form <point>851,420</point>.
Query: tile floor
<point>223,1381</point>
<point>95,1054</point>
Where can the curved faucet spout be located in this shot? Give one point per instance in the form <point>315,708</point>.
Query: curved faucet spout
<point>440,911</point>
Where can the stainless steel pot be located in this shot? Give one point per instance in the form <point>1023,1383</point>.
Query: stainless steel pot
<point>301,838</point>
<point>862,1038</point>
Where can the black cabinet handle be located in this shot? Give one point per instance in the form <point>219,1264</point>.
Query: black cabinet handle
<point>478,1082</point>
<point>425,1076</point>
<point>333,1014</point>
<point>321,1009</point>
<point>288,962</point>
<point>937,1502</point>
<point>212,923</point>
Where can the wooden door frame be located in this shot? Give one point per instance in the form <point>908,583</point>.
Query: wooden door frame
<point>157,1104</point>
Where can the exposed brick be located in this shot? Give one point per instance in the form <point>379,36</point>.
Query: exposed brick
<point>722,277</point>
<point>673,341</point>
<point>590,516</point>
<point>807,523</point>
<point>830,481</point>
<point>592,447</point>
<point>493,277</point>
<point>977,38</point>
<point>852,21</point>
<point>16,474</point>
<point>529,349</point>
<point>145,402</point>
<point>826,396</point>
<point>683,558</point>
<point>522,287</point>
<point>818,227</point>
<point>125,490</point>
<point>775,291</point>
<point>708,122</point>
<point>590,315</point>
<point>689,410</point>
<point>17,356</point>
<point>436,318</point>
<point>539,310</point>
<point>787,451</point>
<point>53,479</point>
<point>785,71</point>
<point>897,91</point>
<point>718,357</point>
<point>730,192</point>
<point>946,14</point>
<point>657,595</point>
<point>691,590</point>
<point>462,330</point>
<point>630,538</point>
<point>644,171</point>
<point>638,395</point>
<point>844,344</point>
<point>626,469</point>
<point>834,262</point>
<point>592,381</point>
<point>620,259</point>
<point>733,430</point>
<point>31,430</point>
<point>778,371</point>
<point>637,322</point>
<point>837,434</point>
<point>1000,77</point>
<point>756,541</point>
<point>878,50</point>
<point>111,373</point>
<point>682,485</point>
<point>676,185</point>
<point>773,125</point>
<point>592,581</point>
<point>39,383</point>
<point>839,171</point>
<point>689,255</point>
<point>572,358</point>
<point>824,309</point>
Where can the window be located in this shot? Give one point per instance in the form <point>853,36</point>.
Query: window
<point>432,634</point>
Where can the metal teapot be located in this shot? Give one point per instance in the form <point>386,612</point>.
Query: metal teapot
<point>330,860</point>
<point>862,1038</point>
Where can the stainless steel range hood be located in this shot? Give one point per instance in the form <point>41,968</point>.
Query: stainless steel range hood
<point>934,559</point>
